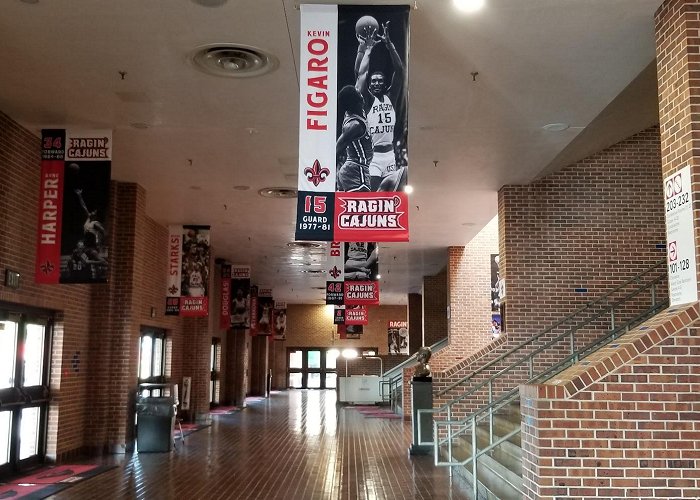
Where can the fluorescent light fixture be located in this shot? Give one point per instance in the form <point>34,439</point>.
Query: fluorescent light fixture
<point>349,353</point>
<point>469,5</point>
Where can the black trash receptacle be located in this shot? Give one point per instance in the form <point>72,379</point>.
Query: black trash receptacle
<point>156,418</point>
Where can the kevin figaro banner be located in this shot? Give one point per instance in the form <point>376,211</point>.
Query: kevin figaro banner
<point>188,271</point>
<point>353,149</point>
<point>73,206</point>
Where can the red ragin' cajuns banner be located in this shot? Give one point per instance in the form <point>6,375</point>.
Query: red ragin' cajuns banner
<point>356,315</point>
<point>361,269</point>
<point>335,273</point>
<point>225,307</point>
<point>353,139</point>
<point>188,271</point>
<point>74,206</point>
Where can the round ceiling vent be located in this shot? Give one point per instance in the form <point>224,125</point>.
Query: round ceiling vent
<point>278,192</point>
<point>228,59</point>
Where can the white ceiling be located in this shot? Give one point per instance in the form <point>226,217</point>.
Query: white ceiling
<point>538,62</point>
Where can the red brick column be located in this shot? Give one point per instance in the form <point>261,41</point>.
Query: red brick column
<point>415,322</point>
<point>678,65</point>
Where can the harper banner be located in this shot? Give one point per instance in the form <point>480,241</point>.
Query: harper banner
<point>74,206</point>
<point>188,271</point>
<point>353,127</point>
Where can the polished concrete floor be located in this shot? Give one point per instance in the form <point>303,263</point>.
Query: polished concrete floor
<point>295,445</point>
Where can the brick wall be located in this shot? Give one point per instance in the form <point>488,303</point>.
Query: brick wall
<point>99,325</point>
<point>622,424</point>
<point>312,326</point>
<point>567,230</point>
<point>415,322</point>
<point>434,308</point>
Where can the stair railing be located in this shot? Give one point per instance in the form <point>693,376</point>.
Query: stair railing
<point>455,428</point>
<point>391,385</point>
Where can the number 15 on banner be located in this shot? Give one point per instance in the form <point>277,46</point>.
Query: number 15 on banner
<point>315,216</point>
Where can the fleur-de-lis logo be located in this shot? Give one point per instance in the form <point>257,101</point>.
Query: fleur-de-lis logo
<point>173,290</point>
<point>335,272</point>
<point>47,267</point>
<point>316,174</point>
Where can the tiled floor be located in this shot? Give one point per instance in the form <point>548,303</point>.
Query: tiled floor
<point>295,445</point>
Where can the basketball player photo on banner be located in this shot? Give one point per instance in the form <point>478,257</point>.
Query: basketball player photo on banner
<point>74,206</point>
<point>361,269</point>
<point>353,142</point>
<point>240,296</point>
<point>279,320</point>
<point>188,273</point>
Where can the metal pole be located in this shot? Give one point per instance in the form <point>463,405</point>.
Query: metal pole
<point>474,480</point>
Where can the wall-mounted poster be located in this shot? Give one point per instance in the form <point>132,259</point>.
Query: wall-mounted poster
<point>353,147</point>
<point>495,284</point>
<point>74,206</point>
<point>188,272</point>
<point>397,337</point>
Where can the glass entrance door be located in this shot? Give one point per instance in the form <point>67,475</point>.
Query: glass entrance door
<point>24,391</point>
<point>311,368</point>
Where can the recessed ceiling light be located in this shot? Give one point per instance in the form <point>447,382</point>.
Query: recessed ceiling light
<point>408,189</point>
<point>233,60</point>
<point>278,192</point>
<point>556,127</point>
<point>469,5</point>
<point>241,188</point>
<point>379,276</point>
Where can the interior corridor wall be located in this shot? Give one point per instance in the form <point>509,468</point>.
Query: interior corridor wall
<point>592,225</point>
<point>92,405</point>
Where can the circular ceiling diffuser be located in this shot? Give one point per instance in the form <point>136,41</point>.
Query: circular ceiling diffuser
<point>278,192</point>
<point>228,59</point>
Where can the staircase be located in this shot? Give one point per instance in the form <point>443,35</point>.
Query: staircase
<point>478,429</point>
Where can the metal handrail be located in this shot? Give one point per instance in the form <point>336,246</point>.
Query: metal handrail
<point>529,341</point>
<point>440,344</point>
<point>555,340</point>
<point>487,411</point>
<point>512,394</point>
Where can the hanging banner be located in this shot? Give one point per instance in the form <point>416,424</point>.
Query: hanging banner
<point>240,296</point>
<point>73,206</point>
<point>188,274</point>
<point>339,315</point>
<point>361,269</point>
<point>353,133</point>
<point>265,306</point>
<point>350,331</point>
<point>335,270</point>
<point>397,334</point>
<point>356,315</point>
<point>253,309</point>
<point>225,311</point>
<point>279,320</point>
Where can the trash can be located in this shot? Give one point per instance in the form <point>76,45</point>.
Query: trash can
<point>154,427</point>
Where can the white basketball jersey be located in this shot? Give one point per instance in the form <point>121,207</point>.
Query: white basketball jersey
<point>381,119</point>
